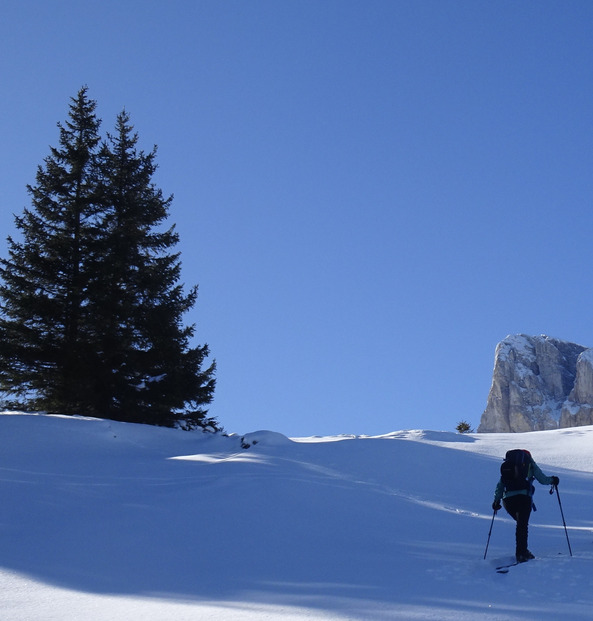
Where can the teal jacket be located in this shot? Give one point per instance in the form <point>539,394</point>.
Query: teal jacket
<point>533,472</point>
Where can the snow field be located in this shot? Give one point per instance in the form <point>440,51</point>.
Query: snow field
<point>104,520</point>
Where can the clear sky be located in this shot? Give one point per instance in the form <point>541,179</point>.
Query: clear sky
<point>370,194</point>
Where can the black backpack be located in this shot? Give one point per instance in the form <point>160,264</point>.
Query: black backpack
<point>515,469</point>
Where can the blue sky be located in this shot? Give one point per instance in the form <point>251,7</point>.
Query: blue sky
<point>370,194</point>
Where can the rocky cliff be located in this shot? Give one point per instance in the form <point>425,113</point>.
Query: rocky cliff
<point>539,383</point>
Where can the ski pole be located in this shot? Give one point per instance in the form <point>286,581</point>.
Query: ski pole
<point>563,521</point>
<point>489,533</point>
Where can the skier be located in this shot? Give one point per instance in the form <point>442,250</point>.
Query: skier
<point>515,489</point>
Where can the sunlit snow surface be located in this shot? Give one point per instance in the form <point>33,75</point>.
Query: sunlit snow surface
<point>106,521</point>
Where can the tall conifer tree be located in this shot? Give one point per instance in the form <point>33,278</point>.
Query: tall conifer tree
<point>148,370</point>
<point>43,345</point>
<point>92,308</point>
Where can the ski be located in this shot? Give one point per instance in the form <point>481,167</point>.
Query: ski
<point>504,569</point>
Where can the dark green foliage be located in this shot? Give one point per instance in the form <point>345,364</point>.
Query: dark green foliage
<point>91,316</point>
<point>43,346</point>
<point>464,427</point>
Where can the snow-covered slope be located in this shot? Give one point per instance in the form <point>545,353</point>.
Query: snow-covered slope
<point>111,521</point>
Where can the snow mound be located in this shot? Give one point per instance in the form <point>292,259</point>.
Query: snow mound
<point>264,438</point>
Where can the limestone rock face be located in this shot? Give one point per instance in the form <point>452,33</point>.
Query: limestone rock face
<point>577,410</point>
<point>539,383</point>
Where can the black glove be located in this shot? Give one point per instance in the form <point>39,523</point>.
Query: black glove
<point>496,505</point>
<point>555,481</point>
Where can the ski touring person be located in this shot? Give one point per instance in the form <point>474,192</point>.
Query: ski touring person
<point>516,490</point>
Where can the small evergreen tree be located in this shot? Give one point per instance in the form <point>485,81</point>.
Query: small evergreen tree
<point>92,308</point>
<point>464,427</point>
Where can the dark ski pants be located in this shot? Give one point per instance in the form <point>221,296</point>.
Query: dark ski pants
<point>519,508</point>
